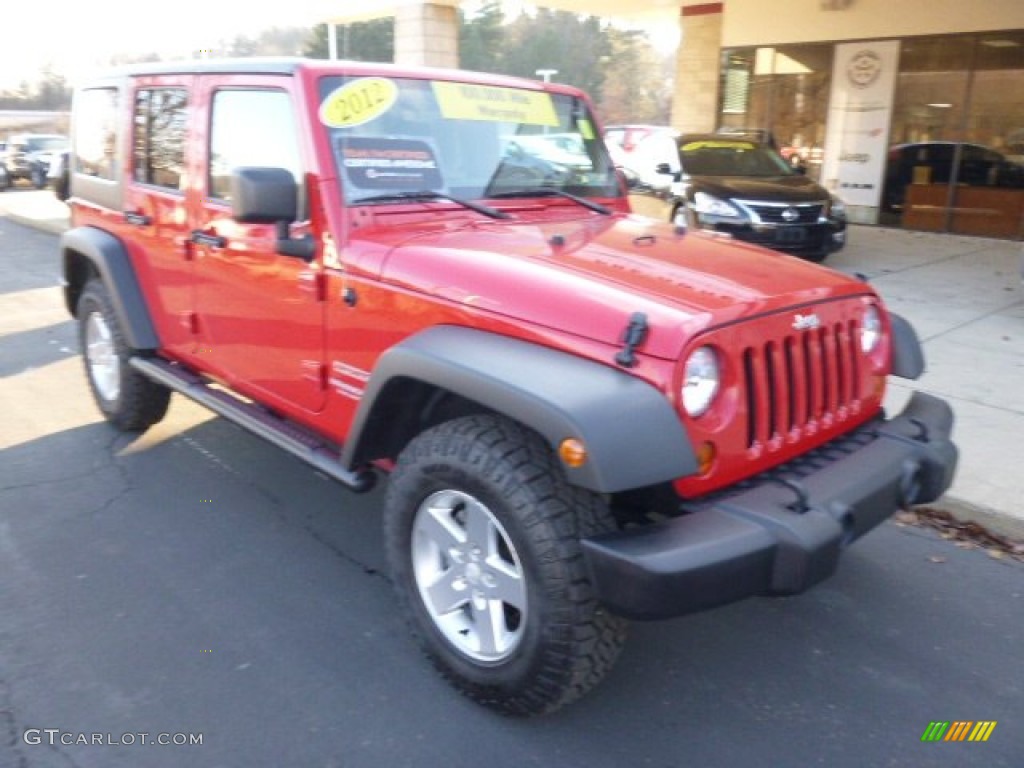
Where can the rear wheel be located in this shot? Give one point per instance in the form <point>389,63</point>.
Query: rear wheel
<point>128,400</point>
<point>482,534</point>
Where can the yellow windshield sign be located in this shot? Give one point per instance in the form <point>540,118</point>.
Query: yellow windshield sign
<point>465,101</point>
<point>695,145</point>
<point>358,102</point>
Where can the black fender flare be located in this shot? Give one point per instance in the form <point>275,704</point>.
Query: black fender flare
<point>109,258</point>
<point>633,436</point>
<point>907,355</point>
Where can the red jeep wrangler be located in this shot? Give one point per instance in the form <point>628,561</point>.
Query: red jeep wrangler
<point>587,416</point>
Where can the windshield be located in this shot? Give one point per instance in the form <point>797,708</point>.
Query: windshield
<point>41,144</point>
<point>469,141</point>
<point>731,158</point>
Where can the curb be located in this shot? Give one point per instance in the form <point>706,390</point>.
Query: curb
<point>997,522</point>
<point>52,226</point>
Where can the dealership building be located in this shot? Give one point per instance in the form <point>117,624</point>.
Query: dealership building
<point>911,111</point>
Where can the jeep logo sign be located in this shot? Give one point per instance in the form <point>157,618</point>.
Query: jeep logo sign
<point>806,322</point>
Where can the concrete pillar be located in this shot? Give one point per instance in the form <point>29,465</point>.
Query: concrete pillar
<point>698,62</point>
<point>427,35</point>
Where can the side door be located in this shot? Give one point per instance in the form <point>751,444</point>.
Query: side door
<point>154,209</point>
<point>260,314</point>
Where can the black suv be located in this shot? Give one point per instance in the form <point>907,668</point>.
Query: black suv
<point>29,155</point>
<point>740,186</point>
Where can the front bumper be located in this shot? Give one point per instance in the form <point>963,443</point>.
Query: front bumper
<point>822,237</point>
<point>783,531</point>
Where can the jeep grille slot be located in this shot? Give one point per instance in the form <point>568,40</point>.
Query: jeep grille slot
<point>799,381</point>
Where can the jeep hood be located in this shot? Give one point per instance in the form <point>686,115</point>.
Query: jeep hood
<point>588,276</point>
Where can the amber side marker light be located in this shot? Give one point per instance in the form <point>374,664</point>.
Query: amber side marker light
<point>572,452</point>
<point>706,455</point>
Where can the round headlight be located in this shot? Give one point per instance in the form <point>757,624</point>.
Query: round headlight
<point>700,381</point>
<point>870,329</point>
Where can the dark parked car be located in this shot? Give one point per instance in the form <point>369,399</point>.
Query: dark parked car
<point>932,162</point>
<point>741,187</point>
<point>29,155</point>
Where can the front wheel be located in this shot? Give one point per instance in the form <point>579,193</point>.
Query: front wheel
<point>482,534</point>
<point>37,177</point>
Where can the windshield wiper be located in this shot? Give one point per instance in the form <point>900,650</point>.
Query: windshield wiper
<point>428,195</point>
<point>552,192</point>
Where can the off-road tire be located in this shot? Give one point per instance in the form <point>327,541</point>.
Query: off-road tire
<point>128,400</point>
<point>504,475</point>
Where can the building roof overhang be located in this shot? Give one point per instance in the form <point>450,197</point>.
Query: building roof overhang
<point>640,11</point>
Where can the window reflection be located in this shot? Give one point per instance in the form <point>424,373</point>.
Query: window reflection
<point>159,145</point>
<point>96,133</point>
<point>251,128</point>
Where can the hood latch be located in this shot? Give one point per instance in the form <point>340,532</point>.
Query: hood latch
<point>632,337</point>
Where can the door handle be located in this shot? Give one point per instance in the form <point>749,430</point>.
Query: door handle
<point>211,239</point>
<point>137,219</point>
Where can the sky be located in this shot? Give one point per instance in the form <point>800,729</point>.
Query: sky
<point>75,38</point>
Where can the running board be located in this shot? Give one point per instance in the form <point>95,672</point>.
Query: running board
<point>296,440</point>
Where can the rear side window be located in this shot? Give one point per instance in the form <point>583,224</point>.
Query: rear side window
<point>158,147</point>
<point>251,128</point>
<point>96,133</point>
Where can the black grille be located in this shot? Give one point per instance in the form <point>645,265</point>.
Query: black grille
<point>807,213</point>
<point>799,379</point>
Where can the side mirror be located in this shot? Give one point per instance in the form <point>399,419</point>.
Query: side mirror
<point>263,195</point>
<point>627,179</point>
<point>664,169</point>
<point>270,196</point>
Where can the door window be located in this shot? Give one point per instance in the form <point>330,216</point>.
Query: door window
<point>96,132</point>
<point>159,143</point>
<point>251,128</point>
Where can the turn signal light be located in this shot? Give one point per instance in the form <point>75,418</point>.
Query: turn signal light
<point>706,455</point>
<point>572,452</point>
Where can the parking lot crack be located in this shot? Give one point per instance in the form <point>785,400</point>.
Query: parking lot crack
<point>10,734</point>
<point>281,506</point>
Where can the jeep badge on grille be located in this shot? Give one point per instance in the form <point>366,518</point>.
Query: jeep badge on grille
<point>806,322</point>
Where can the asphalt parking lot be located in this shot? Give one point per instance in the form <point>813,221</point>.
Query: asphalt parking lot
<point>197,581</point>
